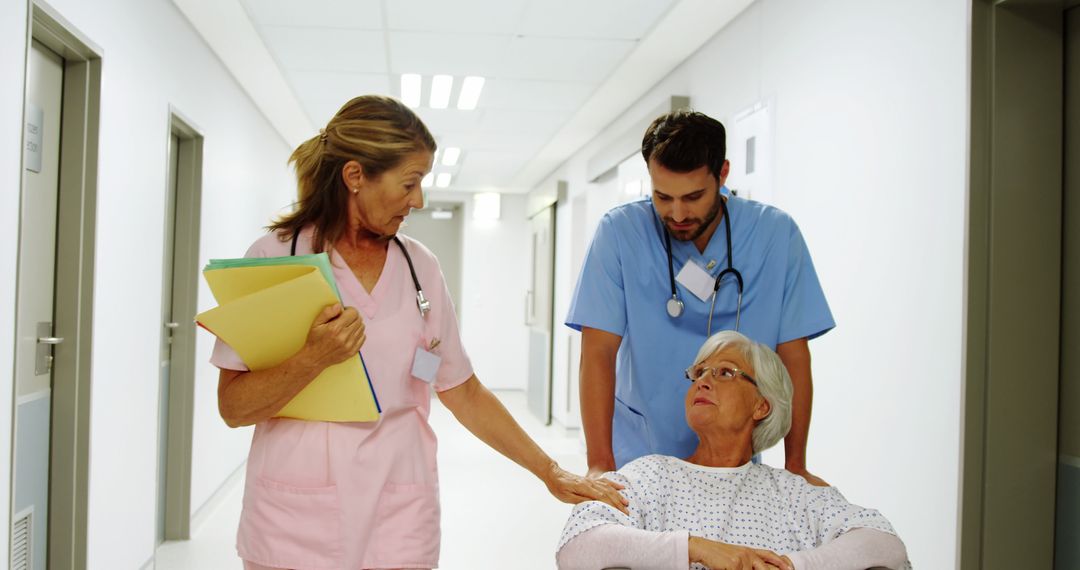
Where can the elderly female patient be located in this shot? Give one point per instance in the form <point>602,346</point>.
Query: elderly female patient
<point>716,509</point>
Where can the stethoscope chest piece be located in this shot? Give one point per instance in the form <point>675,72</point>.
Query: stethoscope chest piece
<point>674,307</point>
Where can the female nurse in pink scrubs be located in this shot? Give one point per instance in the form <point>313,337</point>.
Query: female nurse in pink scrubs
<point>357,496</point>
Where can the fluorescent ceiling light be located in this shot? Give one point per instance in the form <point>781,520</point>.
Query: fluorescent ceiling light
<point>442,214</point>
<point>451,155</point>
<point>410,89</point>
<point>435,157</point>
<point>470,93</point>
<point>442,180</point>
<point>441,85</point>
<point>486,206</point>
<point>427,180</point>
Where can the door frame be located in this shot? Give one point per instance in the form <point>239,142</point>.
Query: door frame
<point>185,289</point>
<point>1012,286</point>
<point>73,305</point>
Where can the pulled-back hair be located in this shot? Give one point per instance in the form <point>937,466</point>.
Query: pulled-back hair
<point>685,140</point>
<point>376,131</point>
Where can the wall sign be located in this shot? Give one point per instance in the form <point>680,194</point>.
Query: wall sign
<point>35,124</point>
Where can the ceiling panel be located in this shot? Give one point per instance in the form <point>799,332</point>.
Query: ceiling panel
<point>335,88</point>
<point>536,123</point>
<point>325,49</point>
<point>563,59</point>
<point>535,95</point>
<point>490,169</point>
<point>543,60</point>
<point>450,53</point>
<point>360,14</point>
<point>595,19</point>
<point>442,121</point>
<point>462,16</point>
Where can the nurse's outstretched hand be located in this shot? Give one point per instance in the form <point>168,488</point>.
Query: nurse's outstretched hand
<point>574,489</point>
<point>336,334</point>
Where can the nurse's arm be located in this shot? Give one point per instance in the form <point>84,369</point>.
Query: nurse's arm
<point>597,390</point>
<point>247,398</point>
<point>484,415</point>
<point>795,355</point>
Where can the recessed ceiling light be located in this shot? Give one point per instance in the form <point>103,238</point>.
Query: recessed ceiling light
<point>470,92</point>
<point>410,89</point>
<point>442,214</point>
<point>442,180</point>
<point>427,180</point>
<point>451,155</point>
<point>441,85</point>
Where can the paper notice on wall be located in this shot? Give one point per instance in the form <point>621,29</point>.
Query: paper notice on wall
<point>35,124</point>
<point>750,152</point>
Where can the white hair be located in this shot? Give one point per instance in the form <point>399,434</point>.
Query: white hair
<point>773,382</point>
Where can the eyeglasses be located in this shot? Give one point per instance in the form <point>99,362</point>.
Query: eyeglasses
<point>722,373</point>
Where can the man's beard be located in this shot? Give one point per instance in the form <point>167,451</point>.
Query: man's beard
<point>696,233</point>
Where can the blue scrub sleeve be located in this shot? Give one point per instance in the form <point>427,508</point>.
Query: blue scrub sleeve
<point>599,300</point>
<point>805,312</point>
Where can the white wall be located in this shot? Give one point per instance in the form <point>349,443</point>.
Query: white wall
<point>495,277</point>
<point>13,42</point>
<point>870,110</point>
<point>152,59</point>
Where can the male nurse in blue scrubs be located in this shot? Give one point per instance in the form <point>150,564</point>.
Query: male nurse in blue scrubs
<point>634,352</point>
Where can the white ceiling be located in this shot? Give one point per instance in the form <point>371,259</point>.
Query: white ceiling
<point>557,70</point>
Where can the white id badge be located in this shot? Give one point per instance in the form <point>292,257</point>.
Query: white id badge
<point>425,365</point>
<point>697,280</point>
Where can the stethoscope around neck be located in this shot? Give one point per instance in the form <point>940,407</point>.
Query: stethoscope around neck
<point>674,304</point>
<point>421,302</point>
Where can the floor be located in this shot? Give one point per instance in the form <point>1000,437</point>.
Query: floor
<point>495,514</point>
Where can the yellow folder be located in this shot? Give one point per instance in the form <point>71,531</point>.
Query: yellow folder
<point>264,314</point>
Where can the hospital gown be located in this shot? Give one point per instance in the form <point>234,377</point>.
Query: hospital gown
<point>752,505</point>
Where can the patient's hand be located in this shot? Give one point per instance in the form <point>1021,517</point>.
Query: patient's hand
<point>574,489</point>
<point>721,556</point>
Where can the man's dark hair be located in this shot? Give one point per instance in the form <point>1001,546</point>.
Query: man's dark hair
<point>686,140</point>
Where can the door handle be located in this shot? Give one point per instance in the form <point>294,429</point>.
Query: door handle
<point>172,325</point>
<point>50,340</point>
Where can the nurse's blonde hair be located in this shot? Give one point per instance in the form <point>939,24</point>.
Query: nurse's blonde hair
<point>376,131</point>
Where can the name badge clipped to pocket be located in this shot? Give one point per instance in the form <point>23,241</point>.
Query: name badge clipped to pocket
<point>425,365</point>
<point>697,280</point>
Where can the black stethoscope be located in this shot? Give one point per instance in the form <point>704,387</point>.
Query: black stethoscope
<point>674,304</point>
<point>421,302</point>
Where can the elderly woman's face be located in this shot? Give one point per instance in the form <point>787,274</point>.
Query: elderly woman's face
<point>384,201</point>
<point>726,403</point>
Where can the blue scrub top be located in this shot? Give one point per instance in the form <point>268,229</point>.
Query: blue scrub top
<point>624,287</point>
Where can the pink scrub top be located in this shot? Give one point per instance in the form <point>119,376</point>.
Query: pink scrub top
<point>351,496</point>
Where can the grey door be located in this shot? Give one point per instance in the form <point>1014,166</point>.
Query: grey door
<point>169,325</point>
<point>35,309</point>
<point>1067,547</point>
<point>539,316</point>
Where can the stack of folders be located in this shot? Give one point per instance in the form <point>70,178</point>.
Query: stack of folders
<point>265,310</point>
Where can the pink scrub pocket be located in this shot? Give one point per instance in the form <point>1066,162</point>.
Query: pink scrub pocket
<point>291,527</point>
<point>407,532</point>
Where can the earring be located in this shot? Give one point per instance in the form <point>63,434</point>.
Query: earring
<point>355,190</point>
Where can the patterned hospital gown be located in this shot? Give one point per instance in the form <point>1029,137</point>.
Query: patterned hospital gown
<point>752,505</point>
